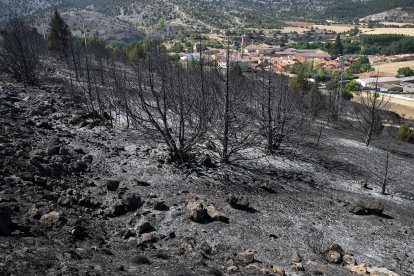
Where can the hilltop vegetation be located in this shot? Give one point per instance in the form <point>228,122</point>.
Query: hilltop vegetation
<point>220,14</point>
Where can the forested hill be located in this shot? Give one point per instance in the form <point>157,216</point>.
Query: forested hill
<point>217,13</point>
<point>359,9</point>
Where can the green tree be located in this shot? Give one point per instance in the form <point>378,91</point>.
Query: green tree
<point>58,38</point>
<point>189,46</point>
<point>406,134</point>
<point>339,48</point>
<point>299,82</point>
<point>361,65</point>
<point>352,86</point>
<point>406,72</point>
<point>177,47</point>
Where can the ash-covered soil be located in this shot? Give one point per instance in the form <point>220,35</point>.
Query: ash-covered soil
<point>78,198</point>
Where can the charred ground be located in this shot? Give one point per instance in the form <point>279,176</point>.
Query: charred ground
<point>78,198</point>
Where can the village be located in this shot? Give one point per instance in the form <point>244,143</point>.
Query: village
<point>255,57</point>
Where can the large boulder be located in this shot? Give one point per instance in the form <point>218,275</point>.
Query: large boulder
<point>131,201</point>
<point>356,208</point>
<point>375,208</point>
<point>238,202</point>
<point>195,210</point>
<point>214,214</point>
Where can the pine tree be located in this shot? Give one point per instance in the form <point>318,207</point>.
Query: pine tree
<point>338,46</point>
<point>59,34</point>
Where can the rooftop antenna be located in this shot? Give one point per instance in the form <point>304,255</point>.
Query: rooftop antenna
<point>338,99</point>
<point>242,43</point>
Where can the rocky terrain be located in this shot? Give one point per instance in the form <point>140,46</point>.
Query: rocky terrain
<point>78,197</point>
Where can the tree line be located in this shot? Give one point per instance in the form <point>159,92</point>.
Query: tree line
<point>387,44</point>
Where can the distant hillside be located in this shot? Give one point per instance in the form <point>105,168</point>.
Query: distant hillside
<point>359,9</point>
<point>214,13</point>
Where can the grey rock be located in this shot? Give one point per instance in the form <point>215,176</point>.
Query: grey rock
<point>112,184</point>
<point>334,254</point>
<point>375,208</point>
<point>296,257</point>
<point>356,208</point>
<point>195,210</point>
<point>143,226</point>
<point>132,201</point>
<point>238,202</point>
<point>119,209</point>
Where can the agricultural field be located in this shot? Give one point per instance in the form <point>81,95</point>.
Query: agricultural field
<point>404,108</point>
<point>403,31</point>
<point>301,27</point>
<point>290,29</point>
<point>399,24</point>
<point>339,28</point>
<point>392,67</point>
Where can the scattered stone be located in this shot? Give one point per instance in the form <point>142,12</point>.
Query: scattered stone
<point>334,254</point>
<point>143,226</point>
<point>296,257</point>
<point>364,184</point>
<point>119,209</point>
<point>349,260</point>
<point>238,202</point>
<point>246,257</point>
<point>375,208</point>
<point>112,185</point>
<point>132,201</point>
<point>33,212</point>
<point>360,269</point>
<point>214,214</point>
<point>195,210</point>
<point>79,232</point>
<point>298,266</point>
<point>53,216</point>
<point>148,238</point>
<point>278,270</point>
<point>229,262</point>
<point>160,206</point>
<point>253,267</point>
<point>171,235</point>
<point>356,208</point>
<point>232,269</point>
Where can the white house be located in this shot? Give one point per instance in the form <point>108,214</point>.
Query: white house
<point>370,82</point>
